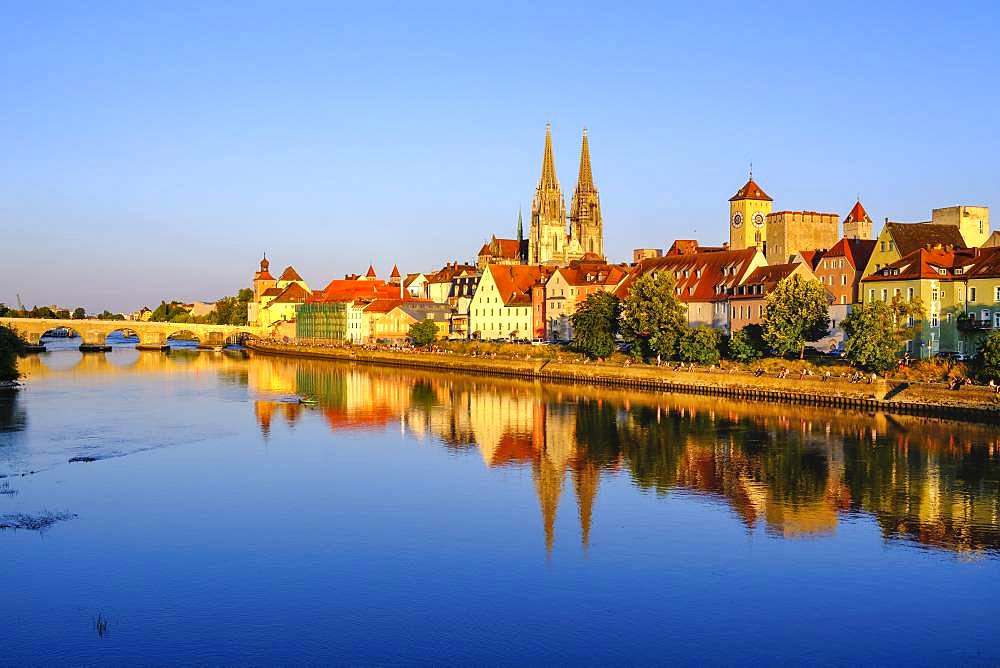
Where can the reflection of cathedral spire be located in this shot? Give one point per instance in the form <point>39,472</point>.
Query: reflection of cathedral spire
<point>548,484</point>
<point>585,480</point>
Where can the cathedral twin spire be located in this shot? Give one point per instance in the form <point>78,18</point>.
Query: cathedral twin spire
<point>548,241</point>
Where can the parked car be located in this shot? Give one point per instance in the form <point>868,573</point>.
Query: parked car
<point>951,357</point>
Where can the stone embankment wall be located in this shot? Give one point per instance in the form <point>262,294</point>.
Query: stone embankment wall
<point>884,395</point>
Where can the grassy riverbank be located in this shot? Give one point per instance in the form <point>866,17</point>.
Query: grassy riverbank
<point>734,380</point>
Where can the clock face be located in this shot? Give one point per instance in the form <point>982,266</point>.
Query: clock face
<point>758,219</point>
<point>738,220</point>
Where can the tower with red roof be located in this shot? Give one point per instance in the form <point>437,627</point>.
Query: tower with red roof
<point>858,224</point>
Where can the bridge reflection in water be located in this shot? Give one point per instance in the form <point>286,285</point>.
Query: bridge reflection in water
<point>796,471</point>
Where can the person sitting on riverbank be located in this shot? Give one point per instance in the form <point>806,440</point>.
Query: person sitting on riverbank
<point>758,372</point>
<point>872,378</point>
<point>994,387</point>
<point>826,376</point>
<point>783,373</point>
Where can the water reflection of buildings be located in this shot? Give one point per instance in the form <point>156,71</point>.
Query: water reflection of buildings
<point>793,471</point>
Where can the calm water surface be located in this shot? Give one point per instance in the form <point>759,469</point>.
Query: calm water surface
<point>399,516</point>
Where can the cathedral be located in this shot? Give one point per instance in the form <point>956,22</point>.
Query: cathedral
<point>549,241</point>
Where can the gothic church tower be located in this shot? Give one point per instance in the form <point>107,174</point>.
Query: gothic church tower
<point>547,235</point>
<point>586,224</point>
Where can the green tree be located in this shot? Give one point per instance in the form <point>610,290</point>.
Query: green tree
<point>701,345</point>
<point>595,325</point>
<point>652,318</point>
<point>876,331</point>
<point>11,344</point>
<point>79,313</point>
<point>987,360</point>
<point>747,344</point>
<point>424,332</point>
<point>797,311</point>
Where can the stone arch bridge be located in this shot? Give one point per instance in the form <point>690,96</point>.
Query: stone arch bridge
<point>152,335</point>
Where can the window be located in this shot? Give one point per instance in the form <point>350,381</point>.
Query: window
<point>934,294</point>
<point>871,295</point>
<point>882,246</point>
<point>909,294</point>
<point>896,292</point>
<point>996,293</point>
<point>843,299</point>
<point>843,279</point>
<point>885,295</point>
<point>947,318</point>
<point>972,294</point>
<point>996,319</point>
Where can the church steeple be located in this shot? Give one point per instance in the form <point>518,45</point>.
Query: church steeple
<point>548,180</point>
<point>547,236</point>
<point>586,224</point>
<point>586,178</point>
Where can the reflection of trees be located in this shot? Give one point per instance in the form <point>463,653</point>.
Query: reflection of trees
<point>792,469</point>
<point>12,416</point>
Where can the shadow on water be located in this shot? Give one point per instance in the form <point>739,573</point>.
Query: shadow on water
<point>12,415</point>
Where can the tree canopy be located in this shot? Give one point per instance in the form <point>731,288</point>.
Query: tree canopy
<point>876,331</point>
<point>424,332</point>
<point>987,360</point>
<point>595,325</point>
<point>701,345</point>
<point>652,318</point>
<point>11,343</point>
<point>797,311</point>
<point>747,344</point>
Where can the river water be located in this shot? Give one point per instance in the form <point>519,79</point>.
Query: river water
<point>248,509</point>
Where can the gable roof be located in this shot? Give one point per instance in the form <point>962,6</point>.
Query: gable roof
<point>395,272</point>
<point>509,249</point>
<point>987,263</point>
<point>450,271</point>
<point>750,190</point>
<point>293,293</point>
<point>701,277</point>
<point>908,237</point>
<point>514,281</point>
<point>371,272</point>
<point>927,263</point>
<point>289,274</point>
<point>857,251</point>
<point>592,273</point>
<point>271,292</point>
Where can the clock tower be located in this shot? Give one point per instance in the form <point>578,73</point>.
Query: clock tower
<point>748,210</point>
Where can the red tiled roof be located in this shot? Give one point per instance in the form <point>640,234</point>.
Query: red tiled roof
<point>289,274</point>
<point>395,272</point>
<point>683,247</point>
<point>857,251</point>
<point>811,257</point>
<point>271,292</point>
<point>598,273</point>
<point>347,290</point>
<point>263,276</point>
<point>701,277</point>
<point>926,262</point>
<point>450,271</point>
<point>294,293</point>
<point>514,281</point>
<point>506,248</point>
<point>987,264</point>
<point>750,191</point>
<point>858,213</point>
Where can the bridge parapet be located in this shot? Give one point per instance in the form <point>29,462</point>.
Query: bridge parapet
<point>151,334</point>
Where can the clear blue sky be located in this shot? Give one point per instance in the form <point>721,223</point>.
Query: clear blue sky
<point>153,150</point>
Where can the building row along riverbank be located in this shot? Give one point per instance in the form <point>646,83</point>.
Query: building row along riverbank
<point>971,402</point>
